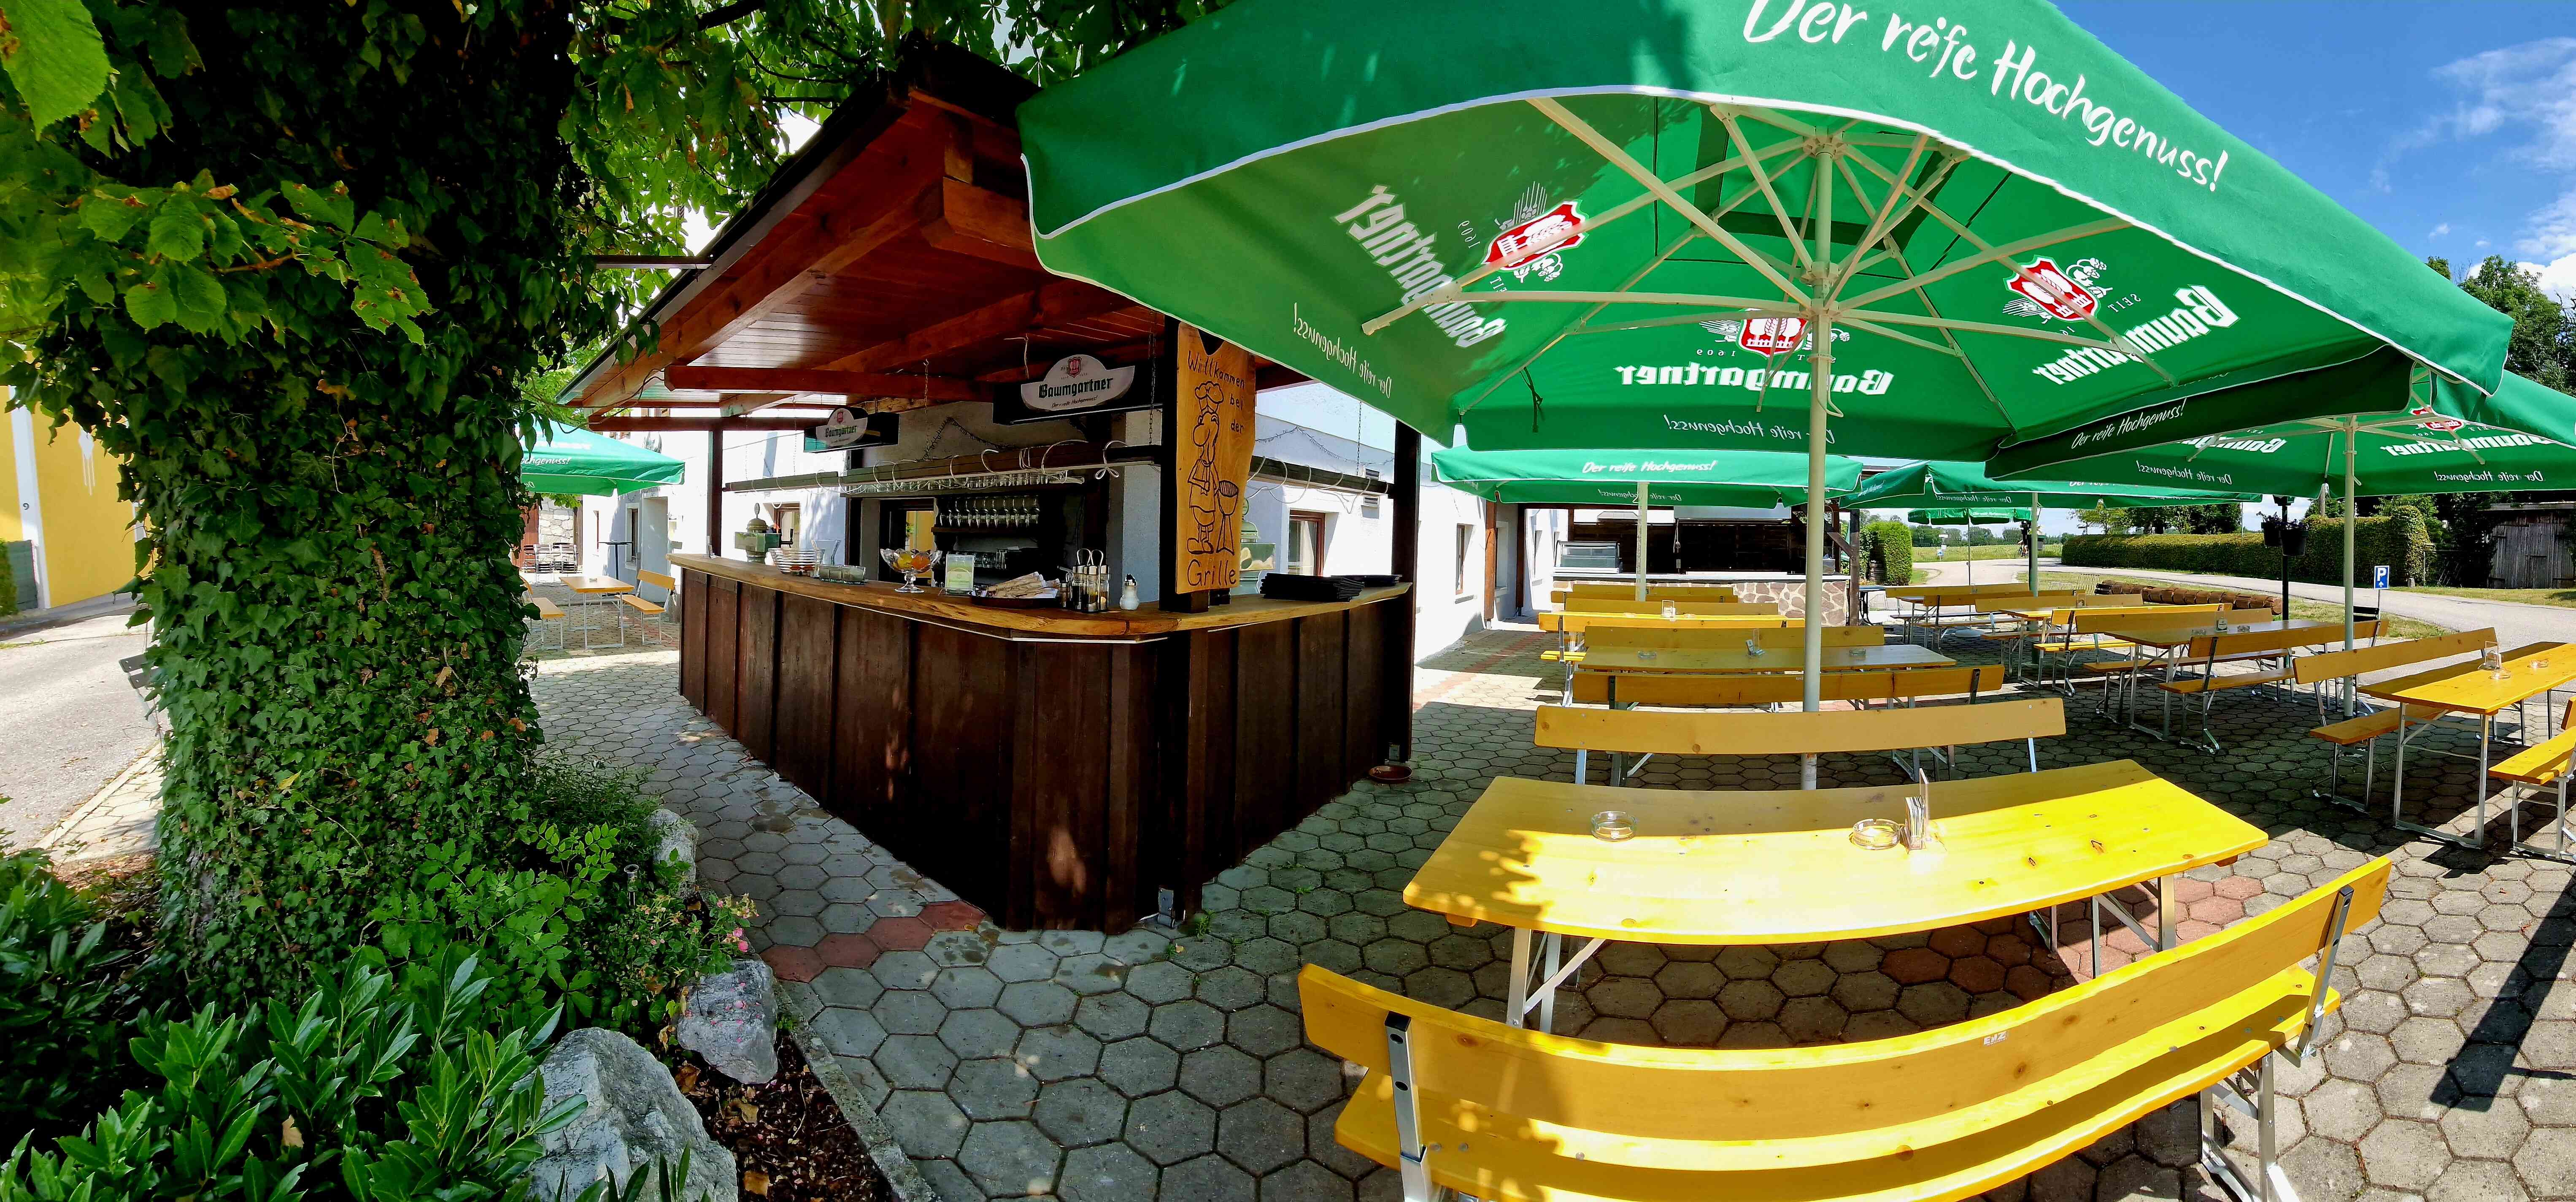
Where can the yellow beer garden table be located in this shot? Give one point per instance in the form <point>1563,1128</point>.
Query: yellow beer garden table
<point>1780,866</point>
<point>601,590</point>
<point>2470,689</point>
<point>1619,661</point>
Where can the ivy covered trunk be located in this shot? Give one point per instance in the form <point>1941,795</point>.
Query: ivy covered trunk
<point>328,490</point>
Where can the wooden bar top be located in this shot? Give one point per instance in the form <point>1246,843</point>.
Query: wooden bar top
<point>1144,621</point>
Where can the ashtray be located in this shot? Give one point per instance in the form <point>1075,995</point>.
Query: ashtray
<point>1646,654</point>
<point>1612,826</point>
<point>1875,834</point>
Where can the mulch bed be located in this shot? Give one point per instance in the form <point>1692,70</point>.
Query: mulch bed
<point>788,1137</point>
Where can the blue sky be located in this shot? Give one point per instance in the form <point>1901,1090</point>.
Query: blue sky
<point>2450,126</point>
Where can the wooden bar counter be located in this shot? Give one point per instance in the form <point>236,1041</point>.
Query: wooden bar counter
<point>1056,769</point>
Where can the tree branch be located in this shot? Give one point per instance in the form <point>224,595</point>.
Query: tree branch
<point>727,14</point>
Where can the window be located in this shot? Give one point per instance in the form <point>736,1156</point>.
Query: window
<point>787,521</point>
<point>1466,541</point>
<point>1305,544</point>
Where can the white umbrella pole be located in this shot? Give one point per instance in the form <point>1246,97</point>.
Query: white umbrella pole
<point>2349,514</point>
<point>1820,384</point>
<point>1641,540</point>
<point>2034,544</point>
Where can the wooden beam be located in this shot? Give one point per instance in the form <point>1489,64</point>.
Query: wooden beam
<point>1055,303</point>
<point>961,218</point>
<point>793,380</point>
<point>609,423</point>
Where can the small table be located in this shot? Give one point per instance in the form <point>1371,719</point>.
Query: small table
<point>2466,689</point>
<point>603,590</point>
<point>1779,866</point>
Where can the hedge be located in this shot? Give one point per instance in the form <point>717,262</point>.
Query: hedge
<point>2397,540</point>
<point>2154,594</point>
<point>1886,552</point>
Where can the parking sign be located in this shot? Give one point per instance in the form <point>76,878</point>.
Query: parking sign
<point>2379,576</point>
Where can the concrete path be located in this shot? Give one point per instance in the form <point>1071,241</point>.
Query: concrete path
<point>2515,623</point>
<point>73,723</point>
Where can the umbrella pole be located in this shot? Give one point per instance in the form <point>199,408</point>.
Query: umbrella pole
<point>1820,384</point>
<point>1641,540</point>
<point>2034,544</point>
<point>2349,514</point>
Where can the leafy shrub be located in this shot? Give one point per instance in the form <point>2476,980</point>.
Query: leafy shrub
<point>1886,552</point>
<point>574,914</point>
<point>63,998</point>
<point>2396,539</point>
<point>2159,595</point>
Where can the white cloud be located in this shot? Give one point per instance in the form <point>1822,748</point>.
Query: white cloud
<point>2557,278</point>
<point>2529,88</point>
<point>2482,244</point>
<point>2440,230</point>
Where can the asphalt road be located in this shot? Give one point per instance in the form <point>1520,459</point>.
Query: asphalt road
<point>71,722</point>
<point>2515,624</point>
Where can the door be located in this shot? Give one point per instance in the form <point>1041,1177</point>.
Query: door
<point>1305,544</point>
<point>653,539</point>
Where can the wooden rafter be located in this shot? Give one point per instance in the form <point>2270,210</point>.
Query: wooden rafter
<point>794,380</point>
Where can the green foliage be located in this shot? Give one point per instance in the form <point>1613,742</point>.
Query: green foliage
<point>2396,539</point>
<point>368,1091</point>
<point>63,998</point>
<point>2219,517</point>
<point>1886,550</point>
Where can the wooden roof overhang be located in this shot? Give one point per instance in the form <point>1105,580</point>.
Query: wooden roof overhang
<point>888,267</point>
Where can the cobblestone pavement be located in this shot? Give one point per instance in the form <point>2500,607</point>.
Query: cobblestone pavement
<point>1017,1063</point>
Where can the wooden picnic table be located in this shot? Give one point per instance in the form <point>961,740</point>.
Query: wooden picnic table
<point>2169,637</point>
<point>1657,660</point>
<point>2470,689</point>
<point>1779,866</point>
<point>600,590</point>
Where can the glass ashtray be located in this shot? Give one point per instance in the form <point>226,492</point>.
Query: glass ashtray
<point>1612,826</point>
<point>1875,834</point>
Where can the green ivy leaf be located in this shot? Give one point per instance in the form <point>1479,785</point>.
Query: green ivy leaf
<point>53,52</point>
<point>150,304</point>
<point>177,231</point>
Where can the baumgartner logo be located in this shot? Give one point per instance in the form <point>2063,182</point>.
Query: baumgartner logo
<point>2043,289</point>
<point>1767,335</point>
<point>1530,240</point>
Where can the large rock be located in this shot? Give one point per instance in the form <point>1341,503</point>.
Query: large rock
<point>732,1020</point>
<point>635,1117</point>
<point>677,841</point>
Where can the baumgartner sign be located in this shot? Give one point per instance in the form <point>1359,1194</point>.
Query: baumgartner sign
<point>1073,385</point>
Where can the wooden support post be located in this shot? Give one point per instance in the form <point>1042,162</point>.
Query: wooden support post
<point>1168,530</point>
<point>1493,556</point>
<point>715,493</point>
<point>1407,566</point>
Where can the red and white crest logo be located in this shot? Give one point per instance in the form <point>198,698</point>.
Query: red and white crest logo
<point>1772,335</point>
<point>1554,230</point>
<point>2434,421</point>
<point>2046,290</point>
<point>1073,367</point>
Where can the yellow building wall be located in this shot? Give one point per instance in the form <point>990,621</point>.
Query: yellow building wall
<point>88,532</point>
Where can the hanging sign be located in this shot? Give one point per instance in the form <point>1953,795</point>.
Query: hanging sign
<point>1213,452</point>
<point>1072,386</point>
<point>848,429</point>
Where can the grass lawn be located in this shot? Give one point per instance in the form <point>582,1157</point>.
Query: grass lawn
<point>1924,555</point>
<point>2300,607</point>
<point>2561,597</point>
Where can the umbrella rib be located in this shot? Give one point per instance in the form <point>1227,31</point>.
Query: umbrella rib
<point>2118,342</point>
<point>1788,227</point>
<point>1785,308</point>
<point>1887,215</point>
<point>2008,250</point>
<point>1620,158</point>
<point>1457,290</point>
<point>1987,327</point>
<point>1550,344</point>
<point>1974,372</point>
<point>1884,332</point>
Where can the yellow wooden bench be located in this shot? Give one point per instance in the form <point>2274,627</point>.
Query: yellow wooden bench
<point>2367,728</point>
<point>2207,652</point>
<point>2537,767</point>
<point>1614,605</point>
<point>1644,733</point>
<point>547,612</point>
<point>1654,592</point>
<point>1786,689</point>
<point>669,587</point>
<point>1456,1102</point>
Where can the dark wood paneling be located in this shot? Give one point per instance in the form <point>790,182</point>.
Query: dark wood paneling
<point>1059,812</point>
<point>724,638</point>
<point>1197,812</point>
<point>807,658</point>
<point>1364,672</point>
<point>1265,737</point>
<point>1126,895</point>
<point>756,686</point>
<point>1320,698</point>
<point>963,705</point>
<point>693,639</point>
<point>872,723</point>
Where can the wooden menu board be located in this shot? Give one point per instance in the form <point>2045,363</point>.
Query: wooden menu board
<point>1214,454</point>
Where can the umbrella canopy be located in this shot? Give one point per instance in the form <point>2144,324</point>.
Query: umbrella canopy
<point>581,462</point>
<point>2404,427</point>
<point>1670,225</point>
<point>1954,483</point>
<point>1752,478</point>
<point>1965,517</point>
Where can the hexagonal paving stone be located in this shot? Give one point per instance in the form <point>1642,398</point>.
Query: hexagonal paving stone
<point>997,1088</point>
<point>1220,1076</point>
<point>1107,1173</point>
<point>1037,1003</point>
<point>1187,1026</point>
<point>1055,1053</point>
<point>1169,1128</point>
<point>1261,1135</point>
<point>925,1122</point>
<point>1212,1178</point>
<point>974,1033</point>
<point>1012,1158</point>
<point>1140,1066</point>
<point>1080,1111</point>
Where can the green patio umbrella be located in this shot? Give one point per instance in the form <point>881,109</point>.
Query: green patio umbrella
<point>2397,429</point>
<point>1640,478</point>
<point>1953,484</point>
<point>1705,225</point>
<point>1975,517</point>
<point>581,462</point>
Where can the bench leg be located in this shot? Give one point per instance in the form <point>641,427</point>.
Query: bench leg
<point>2270,1184</point>
<point>1516,998</point>
<point>1411,1163</point>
